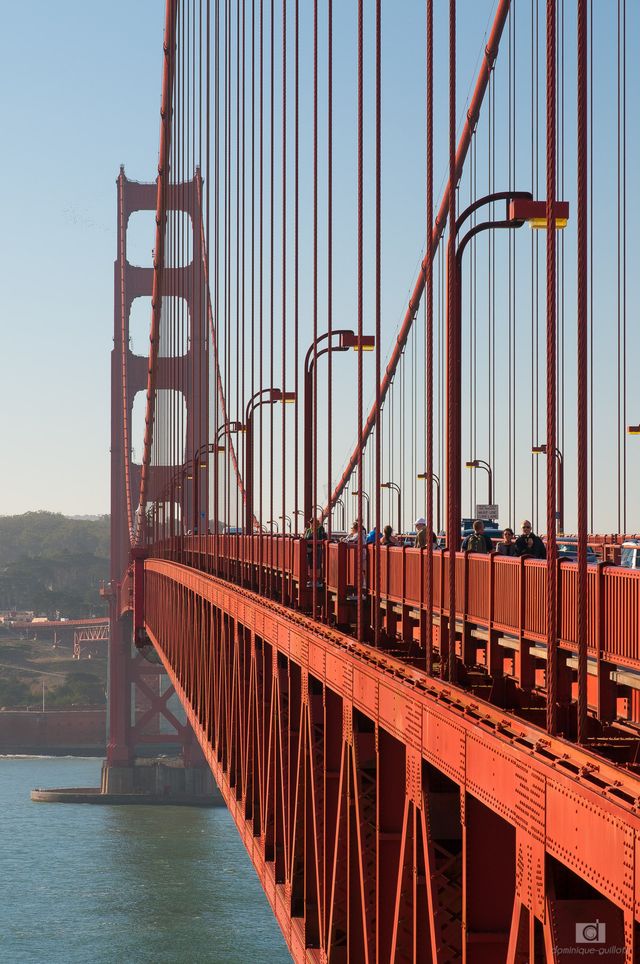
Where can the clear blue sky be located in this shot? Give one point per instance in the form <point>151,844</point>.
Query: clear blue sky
<point>82,85</point>
<point>81,95</point>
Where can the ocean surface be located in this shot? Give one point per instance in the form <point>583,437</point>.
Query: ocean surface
<point>93,884</point>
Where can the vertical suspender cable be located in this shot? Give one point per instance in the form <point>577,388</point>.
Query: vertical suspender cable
<point>428,281</point>
<point>242,393</point>
<point>492,281</point>
<point>258,435</point>
<point>514,280</point>
<point>284,283</point>
<point>296,211</point>
<point>180,453</point>
<point>591,354</point>
<point>378,287</point>
<point>624,263</point>
<point>453,358</point>
<point>582,373</point>
<point>314,429</point>
<point>618,285</point>
<point>329,250</point>
<point>239,340</point>
<point>512,266</point>
<point>552,615</point>
<point>231,345</point>
<point>253,221</point>
<point>360,549</point>
<point>216,271</point>
<point>272,353</point>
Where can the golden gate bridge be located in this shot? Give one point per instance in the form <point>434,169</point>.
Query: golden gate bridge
<point>431,754</point>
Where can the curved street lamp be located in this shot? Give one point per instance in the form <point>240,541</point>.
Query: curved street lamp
<point>348,339</point>
<point>424,475</point>
<point>542,450</point>
<point>520,209</point>
<point>368,501</point>
<point>266,396</point>
<point>396,488</point>
<point>481,464</point>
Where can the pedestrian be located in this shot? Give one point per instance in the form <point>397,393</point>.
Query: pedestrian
<point>359,531</point>
<point>353,535</point>
<point>388,538</point>
<point>314,570</point>
<point>529,544</point>
<point>507,547</point>
<point>477,541</point>
<point>421,534</point>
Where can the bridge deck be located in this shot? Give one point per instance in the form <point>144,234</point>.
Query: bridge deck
<point>368,793</point>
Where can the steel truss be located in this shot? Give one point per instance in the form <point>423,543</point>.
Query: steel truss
<point>388,816</point>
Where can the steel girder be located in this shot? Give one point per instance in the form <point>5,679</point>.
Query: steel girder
<point>389,816</point>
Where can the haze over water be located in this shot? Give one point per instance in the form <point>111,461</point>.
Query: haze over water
<point>105,885</point>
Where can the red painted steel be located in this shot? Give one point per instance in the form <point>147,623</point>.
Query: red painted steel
<point>380,807</point>
<point>500,604</point>
<point>389,814</point>
<point>128,672</point>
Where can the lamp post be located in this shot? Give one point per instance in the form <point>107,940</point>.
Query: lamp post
<point>347,340</point>
<point>423,475</point>
<point>368,501</point>
<point>287,520</point>
<point>273,524</point>
<point>542,450</point>
<point>266,396</point>
<point>520,209</point>
<point>341,504</point>
<point>396,488</point>
<point>227,427</point>
<point>199,462</point>
<point>481,464</point>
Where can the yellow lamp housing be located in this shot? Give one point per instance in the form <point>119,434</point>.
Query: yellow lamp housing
<point>535,213</point>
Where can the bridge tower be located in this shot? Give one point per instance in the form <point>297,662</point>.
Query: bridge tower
<point>140,715</point>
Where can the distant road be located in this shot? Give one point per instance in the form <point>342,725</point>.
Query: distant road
<point>60,623</point>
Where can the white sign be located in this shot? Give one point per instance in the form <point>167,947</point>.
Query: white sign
<point>488,513</point>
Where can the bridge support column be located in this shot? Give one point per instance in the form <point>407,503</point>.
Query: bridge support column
<point>142,717</point>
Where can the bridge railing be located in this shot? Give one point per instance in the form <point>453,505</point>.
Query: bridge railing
<point>497,594</point>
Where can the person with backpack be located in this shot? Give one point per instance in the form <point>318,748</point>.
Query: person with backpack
<point>477,541</point>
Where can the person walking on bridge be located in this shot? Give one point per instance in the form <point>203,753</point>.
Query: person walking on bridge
<point>529,544</point>
<point>507,547</point>
<point>314,570</point>
<point>477,541</point>
<point>388,538</point>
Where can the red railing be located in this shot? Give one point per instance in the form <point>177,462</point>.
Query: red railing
<point>498,594</point>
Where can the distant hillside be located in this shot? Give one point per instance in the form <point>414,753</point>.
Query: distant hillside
<point>51,562</point>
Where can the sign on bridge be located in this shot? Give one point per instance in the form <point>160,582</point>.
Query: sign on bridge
<point>488,513</point>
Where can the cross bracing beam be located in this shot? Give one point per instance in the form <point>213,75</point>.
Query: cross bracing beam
<point>388,815</point>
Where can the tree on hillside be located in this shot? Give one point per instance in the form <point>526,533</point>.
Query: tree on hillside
<point>51,563</point>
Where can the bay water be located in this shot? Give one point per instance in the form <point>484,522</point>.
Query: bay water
<point>87,884</point>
